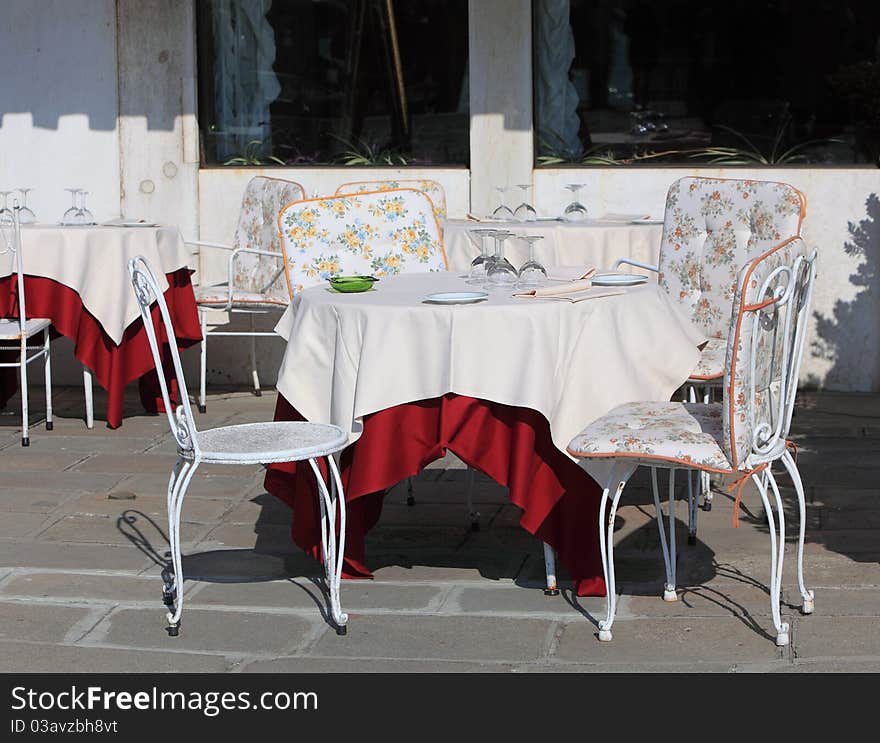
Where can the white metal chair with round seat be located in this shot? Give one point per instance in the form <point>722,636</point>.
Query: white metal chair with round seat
<point>246,444</point>
<point>740,439</point>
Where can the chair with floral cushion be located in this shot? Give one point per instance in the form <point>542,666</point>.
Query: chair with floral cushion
<point>433,189</point>
<point>375,232</point>
<point>255,282</point>
<point>739,439</point>
<point>711,228</point>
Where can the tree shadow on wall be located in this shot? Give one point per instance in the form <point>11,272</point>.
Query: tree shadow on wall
<point>848,337</point>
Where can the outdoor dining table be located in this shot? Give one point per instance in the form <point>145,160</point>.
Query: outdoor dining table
<point>593,242</point>
<point>77,276</point>
<point>504,384</point>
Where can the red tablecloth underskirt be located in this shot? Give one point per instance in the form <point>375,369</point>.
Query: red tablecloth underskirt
<point>509,444</point>
<point>113,366</point>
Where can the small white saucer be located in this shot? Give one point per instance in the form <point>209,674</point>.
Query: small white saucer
<point>456,297</point>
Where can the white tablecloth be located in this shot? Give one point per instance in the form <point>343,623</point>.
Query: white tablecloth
<point>349,355</point>
<point>93,261</point>
<point>589,243</point>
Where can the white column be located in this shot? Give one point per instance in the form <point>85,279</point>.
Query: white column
<point>500,48</point>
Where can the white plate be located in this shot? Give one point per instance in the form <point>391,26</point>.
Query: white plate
<point>129,223</point>
<point>647,220</point>
<point>618,279</point>
<point>456,297</point>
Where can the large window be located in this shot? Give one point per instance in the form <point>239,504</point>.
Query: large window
<point>689,81</point>
<point>361,82</point>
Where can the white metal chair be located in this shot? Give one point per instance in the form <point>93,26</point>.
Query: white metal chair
<point>255,282</point>
<point>15,333</point>
<point>741,439</point>
<point>247,444</point>
<point>712,227</point>
<point>432,189</point>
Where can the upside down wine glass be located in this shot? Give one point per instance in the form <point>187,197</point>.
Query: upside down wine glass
<point>525,212</point>
<point>85,215</point>
<point>503,211</point>
<point>26,214</point>
<point>500,274</point>
<point>72,215</point>
<point>6,216</point>
<point>480,264</point>
<point>575,211</point>
<point>532,273</point>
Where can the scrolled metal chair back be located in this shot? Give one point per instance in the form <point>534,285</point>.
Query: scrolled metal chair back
<point>147,291</point>
<point>13,246</point>
<point>765,347</point>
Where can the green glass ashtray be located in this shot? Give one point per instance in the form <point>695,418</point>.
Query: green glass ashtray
<point>352,284</point>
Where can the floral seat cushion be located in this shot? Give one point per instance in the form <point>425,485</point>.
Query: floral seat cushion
<point>378,233</point>
<point>218,295</point>
<point>690,434</point>
<point>432,189</point>
<point>711,363</point>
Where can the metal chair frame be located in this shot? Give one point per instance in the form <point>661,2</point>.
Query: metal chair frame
<point>191,455</point>
<point>18,330</point>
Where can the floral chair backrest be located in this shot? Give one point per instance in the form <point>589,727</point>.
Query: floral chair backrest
<point>432,188</point>
<point>711,228</point>
<point>771,310</point>
<point>375,232</point>
<point>257,229</point>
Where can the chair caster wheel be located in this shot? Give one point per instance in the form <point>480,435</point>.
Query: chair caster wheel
<point>782,637</point>
<point>707,505</point>
<point>809,604</point>
<point>50,426</point>
<point>670,595</point>
<point>258,393</point>
<point>410,500</point>
<point>203,408</point>
<point>173,630</point>
<point>475,525</point>
<point>692,540</point>
<point>342,631</point>
<point>25,441</point>
<point>604,635</point>
<point>167,598</point>
<point>551,591</point>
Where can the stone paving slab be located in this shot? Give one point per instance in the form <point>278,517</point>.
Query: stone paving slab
<point>39,554</point>
<point>431,637</point>
<point>222,632</point>
<point>86,586</point>
<point>31,657</point>
<point>22,620</point>
<point>371,665</point>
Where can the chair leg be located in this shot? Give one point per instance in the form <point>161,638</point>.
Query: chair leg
<point>692,506</point>
<point>705,482</point>
<point>89,398</point>
<point>606,542</point>
<point>25,438</point>
<point>178,491</point>
<point>473,514</point>
<point>334,554</point>
<point>668,549</point>
<point>47,372</point>
<point>808,596</point>
<point>257,391</point>
<point>410,492</point>
<point>552,588</point>
<point>203,367</point>
<point>777,546</point>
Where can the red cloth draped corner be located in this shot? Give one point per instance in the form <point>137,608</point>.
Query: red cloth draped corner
<point>114,366</point>
<point>511,445</point>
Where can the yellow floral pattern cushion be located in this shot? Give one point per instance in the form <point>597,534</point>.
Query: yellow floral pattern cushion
<point>376,233</point>
<point>433,189</point>
<point>687,433</point>
<point>712,227</point>
<point>257,229</point>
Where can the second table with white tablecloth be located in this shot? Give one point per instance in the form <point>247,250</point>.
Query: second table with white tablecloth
<point>596,243</point>
<point>505,384</point>
<point>77,277</point>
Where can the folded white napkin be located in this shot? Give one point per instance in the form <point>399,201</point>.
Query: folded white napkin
<point>572,291</point>
<point>569,273</point>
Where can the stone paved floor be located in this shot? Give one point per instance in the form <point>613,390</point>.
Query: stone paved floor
<point>83,531</point>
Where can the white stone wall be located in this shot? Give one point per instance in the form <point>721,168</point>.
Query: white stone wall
<point>102,95</point>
